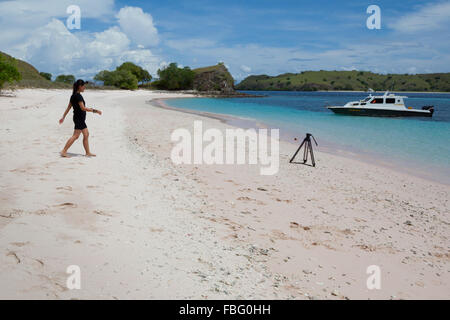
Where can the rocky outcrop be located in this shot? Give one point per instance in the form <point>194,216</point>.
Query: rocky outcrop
<point>214,79</point>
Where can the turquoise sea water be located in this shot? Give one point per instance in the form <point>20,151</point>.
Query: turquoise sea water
<point>414,144</point>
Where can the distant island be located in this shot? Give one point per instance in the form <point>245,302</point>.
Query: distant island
<point>347,80</point>
<point>217,80</point>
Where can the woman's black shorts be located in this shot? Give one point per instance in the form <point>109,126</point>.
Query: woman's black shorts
<point>80,124</point>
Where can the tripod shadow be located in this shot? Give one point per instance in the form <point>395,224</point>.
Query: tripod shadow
<point>303,163</point>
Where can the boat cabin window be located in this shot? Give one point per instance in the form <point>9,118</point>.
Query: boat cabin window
<point>377,100</point>
<point>366,99</point>
<point>390,100</point>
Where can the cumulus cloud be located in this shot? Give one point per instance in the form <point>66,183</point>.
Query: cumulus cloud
<point>138,25</point>
<point>40,36</point>
<point>145,58</point>
<point>110,42</point>
<point>52,43</point>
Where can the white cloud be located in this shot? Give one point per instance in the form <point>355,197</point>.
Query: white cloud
<point>429,17</point>
<point>246,69</point>
<point>110,42</point>
<point>144,58</point>
<point>40,38</point>
<point>391,57</point>
<point>352,68</point>
<point>412,70</point>
<point>52,43</point>
<point>138,25</point>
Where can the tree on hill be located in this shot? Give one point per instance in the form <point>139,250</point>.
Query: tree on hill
<point>70,79</point>
<point>104,76</point>
<point>141,74</point>
<point>123,79</point>
<point>8,71</point>
<point>46,75</point>
<point>174,78</point>
<point>126,76</point>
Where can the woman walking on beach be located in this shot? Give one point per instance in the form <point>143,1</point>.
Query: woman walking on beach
<point>79,118</point>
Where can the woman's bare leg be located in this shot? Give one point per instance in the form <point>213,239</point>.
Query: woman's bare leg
<point>86,142</point>
<point>69,142</point>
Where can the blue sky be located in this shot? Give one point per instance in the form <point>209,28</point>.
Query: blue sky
<point>251,37</point>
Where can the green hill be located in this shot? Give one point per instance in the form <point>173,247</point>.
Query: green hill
<point>214,78</point>
<point>347,80</point>
<point>31,77</point>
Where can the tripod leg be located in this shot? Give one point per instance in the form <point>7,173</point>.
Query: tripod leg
<point>305,154</point>
<point>312,155</point>
<point>293,157</point>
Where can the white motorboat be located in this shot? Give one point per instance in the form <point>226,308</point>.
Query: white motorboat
<point>388,105</point>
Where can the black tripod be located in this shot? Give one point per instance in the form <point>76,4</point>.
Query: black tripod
<point>308,148</point>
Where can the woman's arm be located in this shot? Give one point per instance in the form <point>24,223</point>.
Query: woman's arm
<point>65,113</point>
<point>83,107</point>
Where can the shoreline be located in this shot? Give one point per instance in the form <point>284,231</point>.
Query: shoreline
<point>353,91</point>
<point>333,198</point>
<point>333,149</point>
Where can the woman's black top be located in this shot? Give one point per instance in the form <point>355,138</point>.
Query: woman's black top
<point>79,116</point>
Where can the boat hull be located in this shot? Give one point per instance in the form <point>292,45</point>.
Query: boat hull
<point>379,112</point>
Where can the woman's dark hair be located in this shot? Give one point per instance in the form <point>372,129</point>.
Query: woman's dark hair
<point>77,84</point>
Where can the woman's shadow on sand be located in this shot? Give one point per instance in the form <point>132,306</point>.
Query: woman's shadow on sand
<point>72,155</point>
<point>7,94</point>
